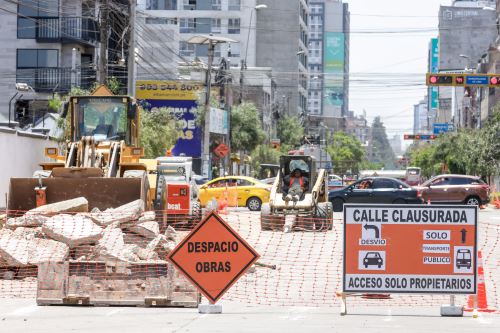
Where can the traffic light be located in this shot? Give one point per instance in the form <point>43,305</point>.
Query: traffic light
<point>495,81</point>
<point>409,137</point>
<point>459,80</point>
<point>440,80</point>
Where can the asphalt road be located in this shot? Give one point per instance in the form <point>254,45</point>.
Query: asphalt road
<point>23,315</point>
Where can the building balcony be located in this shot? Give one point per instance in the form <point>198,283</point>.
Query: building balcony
<point>67,30</point>
<point>56,79</point>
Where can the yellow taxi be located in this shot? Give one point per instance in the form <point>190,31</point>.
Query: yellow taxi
<point>239,191</point>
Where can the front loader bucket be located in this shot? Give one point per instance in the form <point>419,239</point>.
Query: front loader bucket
<point>102,193</point>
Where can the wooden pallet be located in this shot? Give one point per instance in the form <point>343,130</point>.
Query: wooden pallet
<point>96,283</point>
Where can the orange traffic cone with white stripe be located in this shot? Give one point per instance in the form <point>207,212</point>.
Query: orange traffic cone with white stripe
<point>482,301</point>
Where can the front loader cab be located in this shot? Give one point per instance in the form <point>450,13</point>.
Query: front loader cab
<point>289,163</point>
<point>104,118</point>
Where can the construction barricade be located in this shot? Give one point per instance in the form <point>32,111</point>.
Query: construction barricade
<point>120,257</point>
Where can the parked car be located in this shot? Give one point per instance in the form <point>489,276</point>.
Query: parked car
<point>240,191</point>
<point>382,190</point>
<point>455,189</point>
<point>335,182</point>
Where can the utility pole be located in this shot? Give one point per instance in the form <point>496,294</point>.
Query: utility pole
<point>102,69</point>
<point>131,49</point>
<point>206,131</point>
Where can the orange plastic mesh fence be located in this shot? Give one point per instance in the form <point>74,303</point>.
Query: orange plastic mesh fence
<point>122,255</point>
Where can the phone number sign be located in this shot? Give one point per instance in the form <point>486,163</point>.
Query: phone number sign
<point>410,249</point>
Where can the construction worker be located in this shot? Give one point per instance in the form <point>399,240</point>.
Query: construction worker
<point>295,185</point>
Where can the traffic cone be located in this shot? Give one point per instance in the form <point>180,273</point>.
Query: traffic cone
<point>223,207</point>
<point>482,301</point>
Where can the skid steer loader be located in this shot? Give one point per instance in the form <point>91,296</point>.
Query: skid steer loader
<point>308,211</point>
<point>100,162</point>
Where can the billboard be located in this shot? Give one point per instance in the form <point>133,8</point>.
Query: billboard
<point>434,68</point>
<point>410,249</point>
<point>181,97</point>
<point>334,60</point>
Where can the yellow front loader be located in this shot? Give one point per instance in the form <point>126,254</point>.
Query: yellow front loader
<point>101,160</point>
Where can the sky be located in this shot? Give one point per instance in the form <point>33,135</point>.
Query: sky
<point>387,70</point>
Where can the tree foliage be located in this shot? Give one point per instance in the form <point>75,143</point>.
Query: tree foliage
<point>474,152</point>
<point>381,149</point>
<point>346,153</point>
<point>246,127</point>
<point>290,132</point>
<point>159,131</point>
<point>264,154</point>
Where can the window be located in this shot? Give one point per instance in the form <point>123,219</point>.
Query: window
<point>28,12</point>
<point>37,58</point>
<point>244,182</point>
<point>234,5</point>
<point>460,181</point>
<point>189,4</point>
<point>161,5</point>
<point>216,5</point>
<point>235,50</point>
<point>233,26</point>
<point>385,183</point>
<point>186,49</point>
<point>440,181</point>
<point>216,26</point>
<point>38,8</point>
<point>187,25</point>
<point>161,20</point>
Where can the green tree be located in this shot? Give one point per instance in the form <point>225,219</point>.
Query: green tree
<point>346,153</point>
<point>246,128</point>
<point>381,151</point>
<point>159,131</point>
<point>264,154</point>
<point>290,132</point>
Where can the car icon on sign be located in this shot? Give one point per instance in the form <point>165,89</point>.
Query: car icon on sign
<point>373,259</point>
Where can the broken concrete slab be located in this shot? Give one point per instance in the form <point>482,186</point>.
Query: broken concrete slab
<point>77,205</point>
<point>72,230</point>
<point>161,245</point>
<point>29,233</point>
<point>149,229</point>
<point>124,214</point>
<point>147,216</point>
<point>171,234</point>
<point>47,250</point>
<point>17,251</point>
<point>14,250</point>
<point>113,249</point>
<point>33,220</point>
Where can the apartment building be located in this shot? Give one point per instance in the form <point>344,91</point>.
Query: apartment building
<point>182,19</point>
<point>47,47</point>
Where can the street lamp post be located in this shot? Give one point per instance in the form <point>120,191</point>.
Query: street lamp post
<point>211,41</point>
<point>244,62</point>
<point>19,87</point>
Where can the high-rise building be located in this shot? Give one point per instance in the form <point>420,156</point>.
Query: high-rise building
<point>420,117</point>
<point>282,43</point>
<point>466,31</point>
<point>328,61</point>
<point>47,47</point>
<point>165,26</point>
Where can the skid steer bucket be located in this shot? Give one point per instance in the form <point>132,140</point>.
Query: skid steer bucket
<point>102,193</point>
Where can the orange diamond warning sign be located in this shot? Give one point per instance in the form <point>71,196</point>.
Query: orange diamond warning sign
<point>213,257</point>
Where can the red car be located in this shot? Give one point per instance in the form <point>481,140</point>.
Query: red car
<point>455,189</point>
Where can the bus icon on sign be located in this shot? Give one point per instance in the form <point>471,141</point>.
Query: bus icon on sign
<point>463,258</point>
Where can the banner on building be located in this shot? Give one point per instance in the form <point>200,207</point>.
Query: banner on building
<point>181,97</point>
<point>334,60</point>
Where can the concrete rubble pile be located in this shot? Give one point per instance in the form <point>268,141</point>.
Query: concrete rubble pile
<point>68,231</point>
